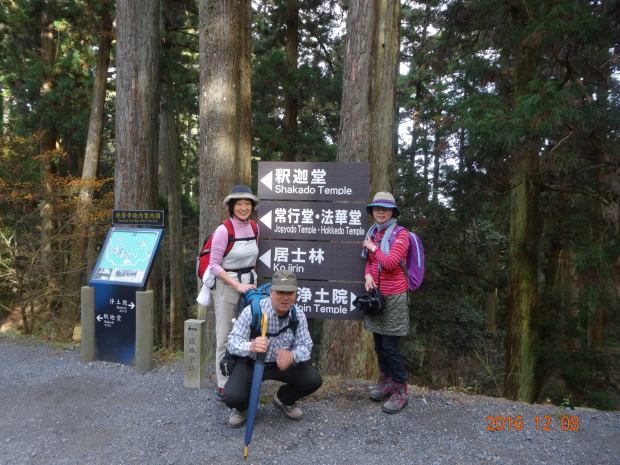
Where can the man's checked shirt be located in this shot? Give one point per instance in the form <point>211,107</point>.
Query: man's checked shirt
<point>299,343</point>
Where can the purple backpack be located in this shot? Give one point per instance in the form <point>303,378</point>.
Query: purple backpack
<point>414,267</point>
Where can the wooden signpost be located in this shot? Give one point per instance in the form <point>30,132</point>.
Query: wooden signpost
<point>313,220</point>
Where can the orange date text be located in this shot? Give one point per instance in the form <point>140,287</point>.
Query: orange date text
<point>537,423</point>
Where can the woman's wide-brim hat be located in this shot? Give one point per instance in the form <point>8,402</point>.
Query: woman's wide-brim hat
<point>241,191</point>
<point>385,200</point>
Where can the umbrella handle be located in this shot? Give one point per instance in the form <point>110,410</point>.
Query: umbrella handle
<point>263,324</point>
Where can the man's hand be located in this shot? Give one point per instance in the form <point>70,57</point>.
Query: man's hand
<point>259,345</point>
<point>284,358</point>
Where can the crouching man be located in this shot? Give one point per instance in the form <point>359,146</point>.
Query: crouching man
<point>287,349</point>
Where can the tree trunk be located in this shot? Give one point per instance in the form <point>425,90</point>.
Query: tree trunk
<point>225,117</point>
<point>290,93</point>
<point>524,233</point>
<point>438,148</point>
<point>82,218</point>
<point>169,157</point>
<point>491,294</point>
<point>137,104</point>
<point>47,145</point>
<point>137,114</point>
<point>366,134</point>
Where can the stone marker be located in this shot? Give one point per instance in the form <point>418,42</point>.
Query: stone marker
<point>87,325</point>
<point>195,352</point>
<point>144,331</point>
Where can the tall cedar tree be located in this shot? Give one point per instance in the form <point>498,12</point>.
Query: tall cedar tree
<point>367,128</point>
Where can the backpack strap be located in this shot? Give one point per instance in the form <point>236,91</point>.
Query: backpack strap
<point>403,263</point>
<point>231,236</point>
<point>398,228</point>
<point>293,321</point>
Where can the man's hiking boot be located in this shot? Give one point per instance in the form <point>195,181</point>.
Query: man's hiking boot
<point>291,411</point>
<point>382,389</point>
<point>398,400</point>
<point>237,418</point>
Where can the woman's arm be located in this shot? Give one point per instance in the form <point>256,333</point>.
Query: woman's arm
<point>398,252</point>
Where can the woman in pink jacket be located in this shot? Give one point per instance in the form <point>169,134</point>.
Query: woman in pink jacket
<point>384,258</point>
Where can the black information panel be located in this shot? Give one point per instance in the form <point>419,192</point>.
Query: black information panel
<point>122,269</point>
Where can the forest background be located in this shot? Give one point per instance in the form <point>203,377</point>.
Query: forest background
<point>494,122</point>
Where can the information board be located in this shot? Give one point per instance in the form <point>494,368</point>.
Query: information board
<point>312,220</point>
<point>126,256</point>
<point>343,182</point>
<point>115,323</point>
<point>152,218</point>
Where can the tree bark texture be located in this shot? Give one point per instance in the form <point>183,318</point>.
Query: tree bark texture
<point>225,116</point>
<point>367,126</point>
<point>369,91</point>
<point>291,107</point>
<point>137,104</point>
<point>82,215</point>
<point>137,114</point>
<point>47,146</point>
<point>169,157</point>
<point>525,227</point>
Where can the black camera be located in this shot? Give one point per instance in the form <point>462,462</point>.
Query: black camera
<point>370,303</point>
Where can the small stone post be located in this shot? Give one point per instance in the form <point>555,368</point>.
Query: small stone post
<point>195,353</point>
<point>144,331</point>
<point>87,325</point>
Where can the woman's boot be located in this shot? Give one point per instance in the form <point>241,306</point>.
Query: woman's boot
<point>382,389</point>
<point>398,400</point>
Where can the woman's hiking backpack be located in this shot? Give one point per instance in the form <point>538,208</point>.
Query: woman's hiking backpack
<point>204,257</point>
<point>414,265</point>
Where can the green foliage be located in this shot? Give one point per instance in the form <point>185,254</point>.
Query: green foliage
<point>462,123</point>
<point>314,85</point>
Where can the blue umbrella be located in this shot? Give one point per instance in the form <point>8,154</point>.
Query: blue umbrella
<point>257,378</point>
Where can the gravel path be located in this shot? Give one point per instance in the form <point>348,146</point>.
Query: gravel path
<point>55,410</point>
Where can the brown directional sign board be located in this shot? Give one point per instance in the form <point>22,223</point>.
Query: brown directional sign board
<point>311,260</point>
<point>312,221</point>
<point>328,299</point>
<point>340,182</point>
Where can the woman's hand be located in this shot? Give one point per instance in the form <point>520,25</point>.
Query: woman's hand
<point>241,288</point>
<point>370,282</point>
<point>369,245</point>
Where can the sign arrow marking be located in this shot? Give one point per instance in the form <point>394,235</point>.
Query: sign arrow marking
<point>266,219</point>
<point>99,318</point>
<point>266,258</point>
<point>267,180</point>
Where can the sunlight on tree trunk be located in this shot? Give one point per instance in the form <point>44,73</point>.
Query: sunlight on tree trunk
<point>225,116</point>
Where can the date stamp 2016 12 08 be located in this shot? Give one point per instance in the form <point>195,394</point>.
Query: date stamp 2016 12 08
<point>539,423</point>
